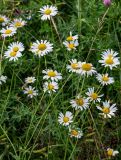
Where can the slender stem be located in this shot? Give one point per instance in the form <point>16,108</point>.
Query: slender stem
<point>56,30</point>
<point>1,56</point>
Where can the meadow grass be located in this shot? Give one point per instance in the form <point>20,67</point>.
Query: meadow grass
<point>29,127</point>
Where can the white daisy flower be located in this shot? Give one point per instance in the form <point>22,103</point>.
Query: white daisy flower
<point>80,103</point>
<point>104,79</point>
<point>109,59</point>
<point>93,96</point>
<point>107,110</point>
<point>8,31</point>
<point>86,69</point>
<point>72,38</point>
<point>51,74</point>
<point>41,48</point>
<point>48,11</point>
<point>18,23</point>
<point>75,132</point>
<point>3,79</point>
<point>111,152</point>
<point>29,80</point>
<point>71,45</point>
<point>12,55</point>
<point>74,66</point>
<point>50,87</point>
<point>66,119</point>
<point>16,47</point>
<point>3,20</point>
<point>30,91</point>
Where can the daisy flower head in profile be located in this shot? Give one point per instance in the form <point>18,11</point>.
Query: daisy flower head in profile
<point>71,37</point>
<point>29,80</point>
<point>8,31</point>
<point>80,103</point>
<point>71,45</point>
<point>104,79</point>
<point>93,96</point>
<point>4,20</point>
<point>50,87</point>
<point>74,66</point>
<point>111,152</point>
<point>41,48</point>
<point>107,110</point>
<point>18,23</point>
<point>12,55</point>
<point>51,74</point>
<point>16,47</point>
<point>47,12</point>
<point>86,69</point>
<point>30,91</point>
<point>109,59</point>
<point>75,132</point>
<point>3,79</point>
<point>65,119</point>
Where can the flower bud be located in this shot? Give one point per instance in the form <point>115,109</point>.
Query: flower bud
<point>107,2</point>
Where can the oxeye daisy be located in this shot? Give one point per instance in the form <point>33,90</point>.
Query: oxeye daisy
<point>93,96</point>
<point>51,74</point>
<point>30,91</point>
<point>48,11</point>
<point>50,87</point>
<point>29,80</point>
<point>86,69</point>
<point>8,31</point>
<point>109,59</point>
<point>104,79</point>
<point>18,23</point>
<point>3,20</point>
<point>111,152</point>
<point>107,110</point>
<point>74,66</point>
<point>72,38</point>
<point>80,103</point>
<point>41,48</point>
<point>16,47</point>
<point>3,79</point>
<point>66,119</point>
<point>71,45</point>
<point>75,132</point>
<point>12,55</point>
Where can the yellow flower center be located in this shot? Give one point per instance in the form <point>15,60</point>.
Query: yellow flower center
<point>65,119</point>
<point>75,66</point>
<point>42,47</point>
<point>30,92</point>
<point>51,74</point>
<point>94,96</point>
<point>71,45</point>
<point>13,54</point>
<point>1,19</point>
<point>105,78</point>
<point>29,80</point>
<point>50,87</point>
<point>87,66</point>
<point>70,38</point>
<point>15,49</point>
<point>47,12</point>
<point>80,101</point>
<point>110,152</point>
<point>8,31</point>
<point>74,132</point>
<point>106,110</point>
<point>18,24</point>
<point>109,60</point>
